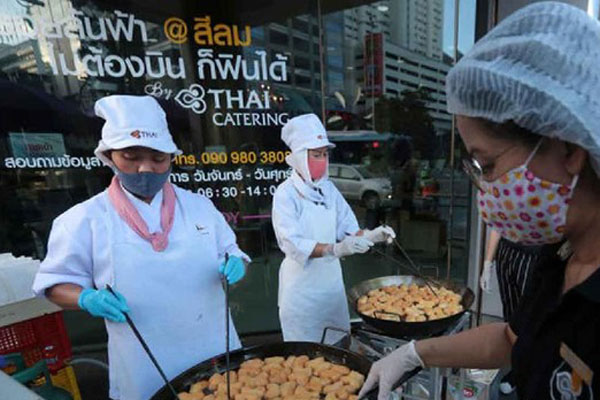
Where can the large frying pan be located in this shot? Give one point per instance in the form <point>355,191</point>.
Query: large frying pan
<point>408,329</point>
<point>207,368</point>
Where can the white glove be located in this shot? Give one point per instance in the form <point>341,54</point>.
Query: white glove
<point>390,369</point>
<point>381,234</point>
<point>351,245</point>
<point>486,274</point>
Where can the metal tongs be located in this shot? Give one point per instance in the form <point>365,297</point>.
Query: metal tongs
<point>412,268</point>
<point>227,350</point>
<point>146,348</point>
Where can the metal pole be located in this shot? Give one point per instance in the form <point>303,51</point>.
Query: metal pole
<point>322,62</point>
<point>452,152</point>
<point>373,66</point>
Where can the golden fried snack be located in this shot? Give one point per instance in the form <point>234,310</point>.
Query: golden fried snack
<point>409,303</point>
<point>341,394</point>
<point>274,360</point>
<point>249,371</point>
<point>300,379</point>
<point>262,379</point>
<point>273,391</point>
<point>199,387</point>
<point>315,385</point>
<point>289,362</point>
<point>354,379</point>
<point>190,396</point>
<point>247,381</point>
<point>304,393</point>
<point>288,389</point>
<point>215,380</point>
<point>258,392</point>
<point>300,362</point>
<point>254,363</point>
<point>315,361</point>
<point>331,375</point>
<point>235,388</point>
<point>333,387</point>
<point>278,377</point>
<point>246,397</point>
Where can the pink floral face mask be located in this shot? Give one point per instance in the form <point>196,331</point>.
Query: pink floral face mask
<point>524,208</point>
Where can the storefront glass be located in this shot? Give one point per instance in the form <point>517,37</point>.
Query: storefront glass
<point>229,75</point>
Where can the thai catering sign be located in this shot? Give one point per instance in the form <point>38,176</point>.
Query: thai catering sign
<point>88,57</point>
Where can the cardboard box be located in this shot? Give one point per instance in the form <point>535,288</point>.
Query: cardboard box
<point>27,309</point>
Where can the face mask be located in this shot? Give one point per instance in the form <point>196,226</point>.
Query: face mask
<point>143,184</point>
<point>317,167</point>
<point>524,208</point>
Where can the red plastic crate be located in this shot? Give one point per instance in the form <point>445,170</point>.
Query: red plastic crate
<point>30,337</point>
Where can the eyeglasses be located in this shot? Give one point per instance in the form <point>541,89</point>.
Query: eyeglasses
<point>473,170</point>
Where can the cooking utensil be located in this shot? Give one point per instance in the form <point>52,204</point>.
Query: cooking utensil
<point>412,269</point>
<point>207,368</point>
<point>146,348</point>
<point>226,283</point>
<point>403,329</point>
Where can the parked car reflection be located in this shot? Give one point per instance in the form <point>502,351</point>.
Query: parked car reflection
<point>358,183</point>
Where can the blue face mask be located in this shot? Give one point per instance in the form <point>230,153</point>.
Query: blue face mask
<point>143,184</point>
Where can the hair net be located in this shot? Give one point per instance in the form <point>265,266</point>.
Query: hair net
<point>540,68</point>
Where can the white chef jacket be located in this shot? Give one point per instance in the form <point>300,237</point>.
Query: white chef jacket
<point>81,250</point>
<point>287,207</point>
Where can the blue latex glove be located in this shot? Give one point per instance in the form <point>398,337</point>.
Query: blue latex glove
<point>102,303</point>
<point>234,269</point>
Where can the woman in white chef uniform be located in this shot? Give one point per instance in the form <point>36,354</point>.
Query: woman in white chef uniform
<point>315,227</point>
<point>169,280</point>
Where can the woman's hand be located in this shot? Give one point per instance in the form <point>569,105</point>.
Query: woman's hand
<point>387,371</point>
<point>102,303</point>
<point>233,269</point>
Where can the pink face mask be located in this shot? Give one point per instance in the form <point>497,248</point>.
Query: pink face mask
<point>317,167</point>
<point>524,208</point>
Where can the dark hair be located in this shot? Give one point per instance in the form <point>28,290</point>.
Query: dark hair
<point>509,130</point>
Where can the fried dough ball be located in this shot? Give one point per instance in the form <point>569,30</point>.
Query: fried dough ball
<point>199,387</point>
<point>215,380</point>
<point>288,389</point>
<point>253,363</point>
<point>190,396</point>
<point>300,362</point>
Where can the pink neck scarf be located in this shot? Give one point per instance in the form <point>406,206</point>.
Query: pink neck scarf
<point>130,215</point>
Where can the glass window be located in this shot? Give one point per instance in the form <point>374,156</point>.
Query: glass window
<point>302,81</point>
<point>300,25</point>
<point>301,44</point>
<point>230,136</point>
<point>301,62</point>
<point>278,38</point>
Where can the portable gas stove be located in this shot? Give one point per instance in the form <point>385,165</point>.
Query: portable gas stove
<point>430,384</point>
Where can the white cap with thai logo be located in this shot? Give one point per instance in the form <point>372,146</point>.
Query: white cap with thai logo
<point>132,121</point>
<point>305,132</point>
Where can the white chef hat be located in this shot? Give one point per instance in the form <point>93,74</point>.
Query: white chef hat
<point>305,132</point>
<point>132,121</point>
<point>538,68</point>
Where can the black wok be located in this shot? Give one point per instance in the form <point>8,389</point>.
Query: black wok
<point>404,329</point>
<point>207,368</point>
